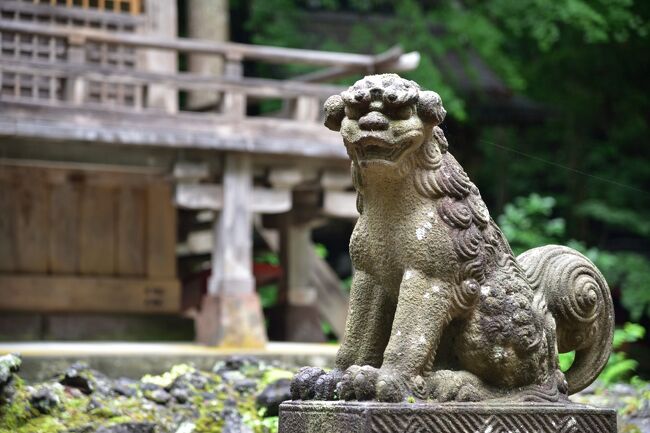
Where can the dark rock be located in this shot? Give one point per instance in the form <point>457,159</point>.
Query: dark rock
<point>125,387</point>
<point>233,423</point>
<point>208,396</point>
<point>44,399</point>
<point>181,395</point>
<point>159,396</point>
<point>148,386</point>
<point>274,394</point>
<point>84,429</point>
<point>245,385</point>
<point>194,379</point>
<point>232,376</point>
<point>79,376</point>
<point>9,364</point>
<point>93,404</point>
<point>237,362</point>
<point>130,427</point>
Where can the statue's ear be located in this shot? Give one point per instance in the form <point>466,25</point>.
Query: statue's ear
<point>334,112</point>
<point>430,108</point>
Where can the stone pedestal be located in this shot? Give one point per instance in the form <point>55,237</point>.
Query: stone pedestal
<point>373,417</point>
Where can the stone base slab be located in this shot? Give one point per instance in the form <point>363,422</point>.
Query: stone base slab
<point>373,417</point>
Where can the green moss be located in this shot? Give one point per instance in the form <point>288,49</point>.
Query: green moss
<point>168,377</point>
<point>77,411</point>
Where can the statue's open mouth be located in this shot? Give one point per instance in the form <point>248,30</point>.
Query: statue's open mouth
<point>372,152</point>
<point>372,148</point>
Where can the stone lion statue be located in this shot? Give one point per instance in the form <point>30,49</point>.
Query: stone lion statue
<point>440,308</point>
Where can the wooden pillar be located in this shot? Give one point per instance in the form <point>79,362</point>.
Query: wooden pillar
<point>297,316</point>
<point>207,20</point>
<point>161,21</point>
<point>76,85</point>
<point>231,313</point>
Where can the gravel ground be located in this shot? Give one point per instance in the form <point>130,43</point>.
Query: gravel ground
<point>631,401</point>
<point>239,395</point>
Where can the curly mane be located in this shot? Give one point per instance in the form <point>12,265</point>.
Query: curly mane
<point>478,241</point>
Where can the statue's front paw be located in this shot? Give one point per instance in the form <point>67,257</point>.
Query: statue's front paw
<point>358,383</point>
<point>369,383</point>
<point>325,386</point>
<point>304,382</point>
<point>391,387</point>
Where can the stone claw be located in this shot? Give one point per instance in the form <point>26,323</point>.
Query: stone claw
<point>390,388</point>
<point>368,383</point>
<point>303,383</point>
<point>326,385</point>
<point>345,388</point>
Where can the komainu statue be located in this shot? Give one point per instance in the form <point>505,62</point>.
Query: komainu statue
<point>440,308</point>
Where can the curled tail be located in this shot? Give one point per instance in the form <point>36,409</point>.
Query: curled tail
<point>578,297</point>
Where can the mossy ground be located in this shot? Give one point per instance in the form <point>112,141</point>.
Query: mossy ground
<point>210,396</point>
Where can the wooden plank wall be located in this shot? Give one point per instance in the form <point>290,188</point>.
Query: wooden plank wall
<point>97,241</point>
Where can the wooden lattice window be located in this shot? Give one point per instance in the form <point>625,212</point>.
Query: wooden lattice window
<point>21,82</point>
<point>120,6</point>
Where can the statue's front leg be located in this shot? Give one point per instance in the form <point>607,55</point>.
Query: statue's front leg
<point>423,311</point>
<point>368,328</point>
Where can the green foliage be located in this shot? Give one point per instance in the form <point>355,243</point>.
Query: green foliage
<point>615,216</point>
<point>268,295</point>
<point>528,223</point>
<point>268,257</point>
<point>476,26</point>
<point>619,366</point>
<point>321,251</point>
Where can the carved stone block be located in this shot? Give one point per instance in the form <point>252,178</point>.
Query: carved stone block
<point>374,417</point>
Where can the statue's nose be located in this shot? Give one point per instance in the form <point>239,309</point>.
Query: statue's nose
<point>374,121</point>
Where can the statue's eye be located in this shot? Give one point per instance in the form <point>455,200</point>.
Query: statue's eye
<point>352,112</point>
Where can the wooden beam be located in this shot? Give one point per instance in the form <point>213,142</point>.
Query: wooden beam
<point>340,204</point>
<point>210,196</point>
<point>249,52</point>
<point>254,87</point>
<point>195,130</point>
<point>391,61</point>
<point>50,294</point>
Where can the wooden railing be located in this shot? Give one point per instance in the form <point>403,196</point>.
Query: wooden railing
<point>74,69</point>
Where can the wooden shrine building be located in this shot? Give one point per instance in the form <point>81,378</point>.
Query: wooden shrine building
<point>104,140</point>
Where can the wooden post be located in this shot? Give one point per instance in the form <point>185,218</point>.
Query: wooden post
<point>76,87</point>
<point>232,257</point>
<point>207,20</point>
<point>231,313</point>
<point>234,102</point>
<point>307,109</point>
<point>161,21</point>
<point>297,317</point>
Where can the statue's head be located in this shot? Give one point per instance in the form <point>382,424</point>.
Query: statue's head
<point>383,118</point>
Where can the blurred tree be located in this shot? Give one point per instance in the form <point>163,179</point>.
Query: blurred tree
<point>585,62</point>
